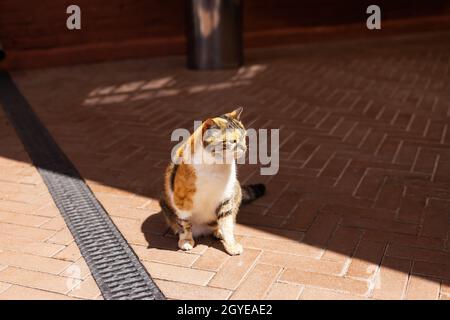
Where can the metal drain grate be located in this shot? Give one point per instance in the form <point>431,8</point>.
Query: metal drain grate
<point>115,267</point>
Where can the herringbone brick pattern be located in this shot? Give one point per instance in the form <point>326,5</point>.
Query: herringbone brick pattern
<point>38,256</point>
<point>360,206</point>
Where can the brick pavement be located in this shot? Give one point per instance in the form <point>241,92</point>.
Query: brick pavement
<point>360,206</point>
<point>38,256</point>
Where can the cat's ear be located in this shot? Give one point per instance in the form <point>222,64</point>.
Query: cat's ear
<point>236,114</point>
<point>208,128</point>
<point>208,124</point>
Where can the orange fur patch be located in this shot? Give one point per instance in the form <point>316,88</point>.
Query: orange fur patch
<point>184,187</point>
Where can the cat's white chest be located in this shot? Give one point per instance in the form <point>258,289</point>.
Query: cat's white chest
<point>213,185</point>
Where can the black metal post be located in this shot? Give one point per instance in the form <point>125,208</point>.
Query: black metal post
<point>2,52</point>
<point>214,34</point>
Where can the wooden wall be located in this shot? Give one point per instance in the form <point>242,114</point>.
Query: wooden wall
<point>33,33</point>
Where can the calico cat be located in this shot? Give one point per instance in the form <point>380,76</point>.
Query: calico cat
<point>202,194</point>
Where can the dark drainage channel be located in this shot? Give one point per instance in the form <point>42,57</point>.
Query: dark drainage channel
<point>115,267</point>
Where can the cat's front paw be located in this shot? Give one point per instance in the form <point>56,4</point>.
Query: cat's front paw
<point>234,249</point>
<point>186,244</point>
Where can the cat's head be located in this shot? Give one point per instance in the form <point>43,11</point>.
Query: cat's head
<point>224,136</point>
